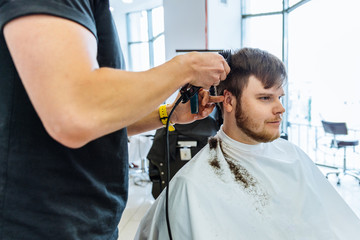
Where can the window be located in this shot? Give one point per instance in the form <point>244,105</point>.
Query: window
<point>146,42</point>
<point>318,40</point>
<point>293,2</point>
<point>270,35</point>
<point>261,6</point>
<point>323,62</point>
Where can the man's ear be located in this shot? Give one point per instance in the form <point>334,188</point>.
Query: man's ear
<point>229,103</point>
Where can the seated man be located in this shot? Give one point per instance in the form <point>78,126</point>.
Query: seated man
<point>248,183</point>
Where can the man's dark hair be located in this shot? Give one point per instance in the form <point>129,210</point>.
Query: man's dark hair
<point>248,62</point>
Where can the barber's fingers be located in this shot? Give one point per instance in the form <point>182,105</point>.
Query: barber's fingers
<point>227,67</point>
<point>204,96</point>
<point>207,69</point>
<point>206,99</point>
<point>206,110</point>
<point>216,83</point>
<point>216,99</point>
<point>222,77</point>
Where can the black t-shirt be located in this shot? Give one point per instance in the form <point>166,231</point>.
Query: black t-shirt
<point>48,191</point>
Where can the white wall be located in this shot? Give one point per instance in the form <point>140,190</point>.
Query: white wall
<point>184,25</point>
<point>224,24</point>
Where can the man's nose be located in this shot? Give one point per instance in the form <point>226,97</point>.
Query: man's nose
<point>279,108</point>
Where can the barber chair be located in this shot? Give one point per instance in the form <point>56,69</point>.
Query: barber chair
<point>336,129</point>
<point>184,143</point>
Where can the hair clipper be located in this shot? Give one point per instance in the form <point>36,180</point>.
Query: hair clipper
<point>189,92</point>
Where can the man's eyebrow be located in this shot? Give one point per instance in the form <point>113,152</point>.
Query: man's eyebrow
<point>269,94</point>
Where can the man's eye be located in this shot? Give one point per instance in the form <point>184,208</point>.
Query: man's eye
<point>265,98</point>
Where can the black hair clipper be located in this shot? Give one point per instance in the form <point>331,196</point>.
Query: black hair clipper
<point>189,92</point>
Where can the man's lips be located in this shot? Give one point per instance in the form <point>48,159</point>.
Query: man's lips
<point>274,121</point>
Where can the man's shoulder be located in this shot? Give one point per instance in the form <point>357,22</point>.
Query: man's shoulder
<point>283,142</point>
<point>287,147</point>
<point>283,145</point>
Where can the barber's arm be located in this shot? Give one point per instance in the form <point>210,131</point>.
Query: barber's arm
<point>181,114</point>
<point>76,100</point>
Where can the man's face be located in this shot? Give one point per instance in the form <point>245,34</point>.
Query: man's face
<point>260,112</point>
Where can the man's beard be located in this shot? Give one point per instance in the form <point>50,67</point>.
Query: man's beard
<point>245,124</point>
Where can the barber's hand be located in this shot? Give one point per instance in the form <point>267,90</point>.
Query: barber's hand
<point>182,113</point>
<point>206,69</point>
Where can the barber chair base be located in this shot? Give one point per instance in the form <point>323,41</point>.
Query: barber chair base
<point>344,173</point>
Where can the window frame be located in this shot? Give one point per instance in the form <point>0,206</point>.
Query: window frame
<point>285,54</point>
<point>151,37</point>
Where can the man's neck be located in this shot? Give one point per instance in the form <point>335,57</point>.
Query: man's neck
<point>232,131</point>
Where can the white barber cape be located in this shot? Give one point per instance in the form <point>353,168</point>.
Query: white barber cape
<point>231,190</point>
